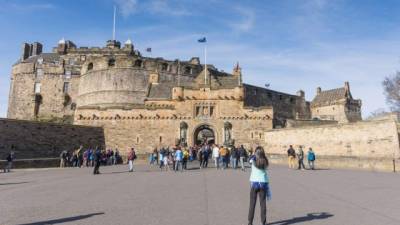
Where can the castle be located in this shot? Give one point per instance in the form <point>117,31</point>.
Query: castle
<point>150,102</point>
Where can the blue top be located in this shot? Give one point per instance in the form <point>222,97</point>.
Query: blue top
<point>257,175</point>
<point>179,155</point>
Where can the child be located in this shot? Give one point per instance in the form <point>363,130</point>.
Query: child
<point>259,184</point>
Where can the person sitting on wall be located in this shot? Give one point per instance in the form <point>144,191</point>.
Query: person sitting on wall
<point>311,158</point>
<point>291,157</point>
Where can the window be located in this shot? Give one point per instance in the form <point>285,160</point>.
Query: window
<point>280,97</point>
<point>37,88</point>
<point>160,139</point>
<point>83,58</point>
<point>137,140</point>
<point>66,87</point>
<point>39,73</point>
<point>73,106</point>
<point>291,100</point>
<point>138,63</point>
<point>71,61</point>
<point>164,67</point>
<point>90,66</point>
<point>269,95</point>
<point>188,70</point>
<point>68,74</point>
<point>111,62</point>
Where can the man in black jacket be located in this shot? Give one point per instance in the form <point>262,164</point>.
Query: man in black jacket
<point>10,158</point>
<point>97,160</point>
<point>242,156</point>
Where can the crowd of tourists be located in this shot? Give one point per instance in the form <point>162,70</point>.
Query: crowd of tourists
<point>299,155</point>
<point>176,158</point>
<point>88,157</point>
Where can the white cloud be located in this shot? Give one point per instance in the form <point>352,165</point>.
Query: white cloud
<point>127,7</point>
<point>246,21</point>
<point>24,7</point>
<point>163,7</point>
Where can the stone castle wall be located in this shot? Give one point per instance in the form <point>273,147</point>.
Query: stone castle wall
<point>30,140</point>
<point>361,141</point>
<point>146,128</point>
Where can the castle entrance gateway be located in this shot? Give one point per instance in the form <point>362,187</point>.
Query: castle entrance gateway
<point>204,134</point>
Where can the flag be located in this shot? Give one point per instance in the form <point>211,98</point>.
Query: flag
<point>148,49</point>
<point>202,40</point>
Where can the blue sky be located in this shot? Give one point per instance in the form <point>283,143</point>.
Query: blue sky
<point>290,44</point>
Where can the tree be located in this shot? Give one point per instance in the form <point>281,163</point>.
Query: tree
<point>376,114</point>
<point>391,87</point>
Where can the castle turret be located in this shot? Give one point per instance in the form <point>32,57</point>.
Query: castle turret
<point>128,45</point>
<point>237,71</point>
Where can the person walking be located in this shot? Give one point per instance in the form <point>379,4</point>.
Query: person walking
<point>206,154</point>
<point>234,157</point>
<point>63,159</point>
<point>311,158</point>
<point>223,152</point>
<point>259,185</point>
<point>300,157</point>
<point>97,161</point>
<point>215,155</point>
<point>131,158</point>
<point>186,156</point>
<point>242,156</point>
<point>200,156</point>
<point>10,158</point>
<point>178,159</point>
<point>291,157</point>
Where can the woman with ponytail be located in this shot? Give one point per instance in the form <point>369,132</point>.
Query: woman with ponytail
<point>259,184</point>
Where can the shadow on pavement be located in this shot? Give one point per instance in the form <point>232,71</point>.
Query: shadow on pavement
<point>308,217</point>
<point>64,220</point>
<point>14,183</point>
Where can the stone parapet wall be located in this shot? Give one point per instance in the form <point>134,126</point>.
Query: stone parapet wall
<point>30,140</point>
<point>342,162</point>
<point>374,139</point>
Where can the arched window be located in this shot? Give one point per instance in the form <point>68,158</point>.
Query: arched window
<point>138,63</point>
<point>111,62</point>
<point>38,102</point>
<point>90,66</point>
<point>183,133</point>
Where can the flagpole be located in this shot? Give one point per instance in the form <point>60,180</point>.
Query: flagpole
<point>205,63</point>
<point>115,9</point>
<point>179,73</point>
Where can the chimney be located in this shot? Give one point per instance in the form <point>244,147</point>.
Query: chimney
<point>37,48</point>
<point>26,49</point>
<point>319,90</point>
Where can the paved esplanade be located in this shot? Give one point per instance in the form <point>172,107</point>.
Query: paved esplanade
<point>195,197</point>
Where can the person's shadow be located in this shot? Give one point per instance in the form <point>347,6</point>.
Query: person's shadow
<point>308,217</point>
<point>64,220</point>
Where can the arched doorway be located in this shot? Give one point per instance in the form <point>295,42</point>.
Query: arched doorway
<point>204,134</point>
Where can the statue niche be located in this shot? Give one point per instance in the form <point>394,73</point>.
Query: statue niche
<point>183,134</point>
<point>228,141</point>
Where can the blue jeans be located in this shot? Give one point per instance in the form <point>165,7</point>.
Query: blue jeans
<point>234,162</point>
<point>242,163</point>
<point>216,161</point>
<point>177,164</point>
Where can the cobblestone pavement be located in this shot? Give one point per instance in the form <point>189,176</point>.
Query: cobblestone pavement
<point>195,197</point>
